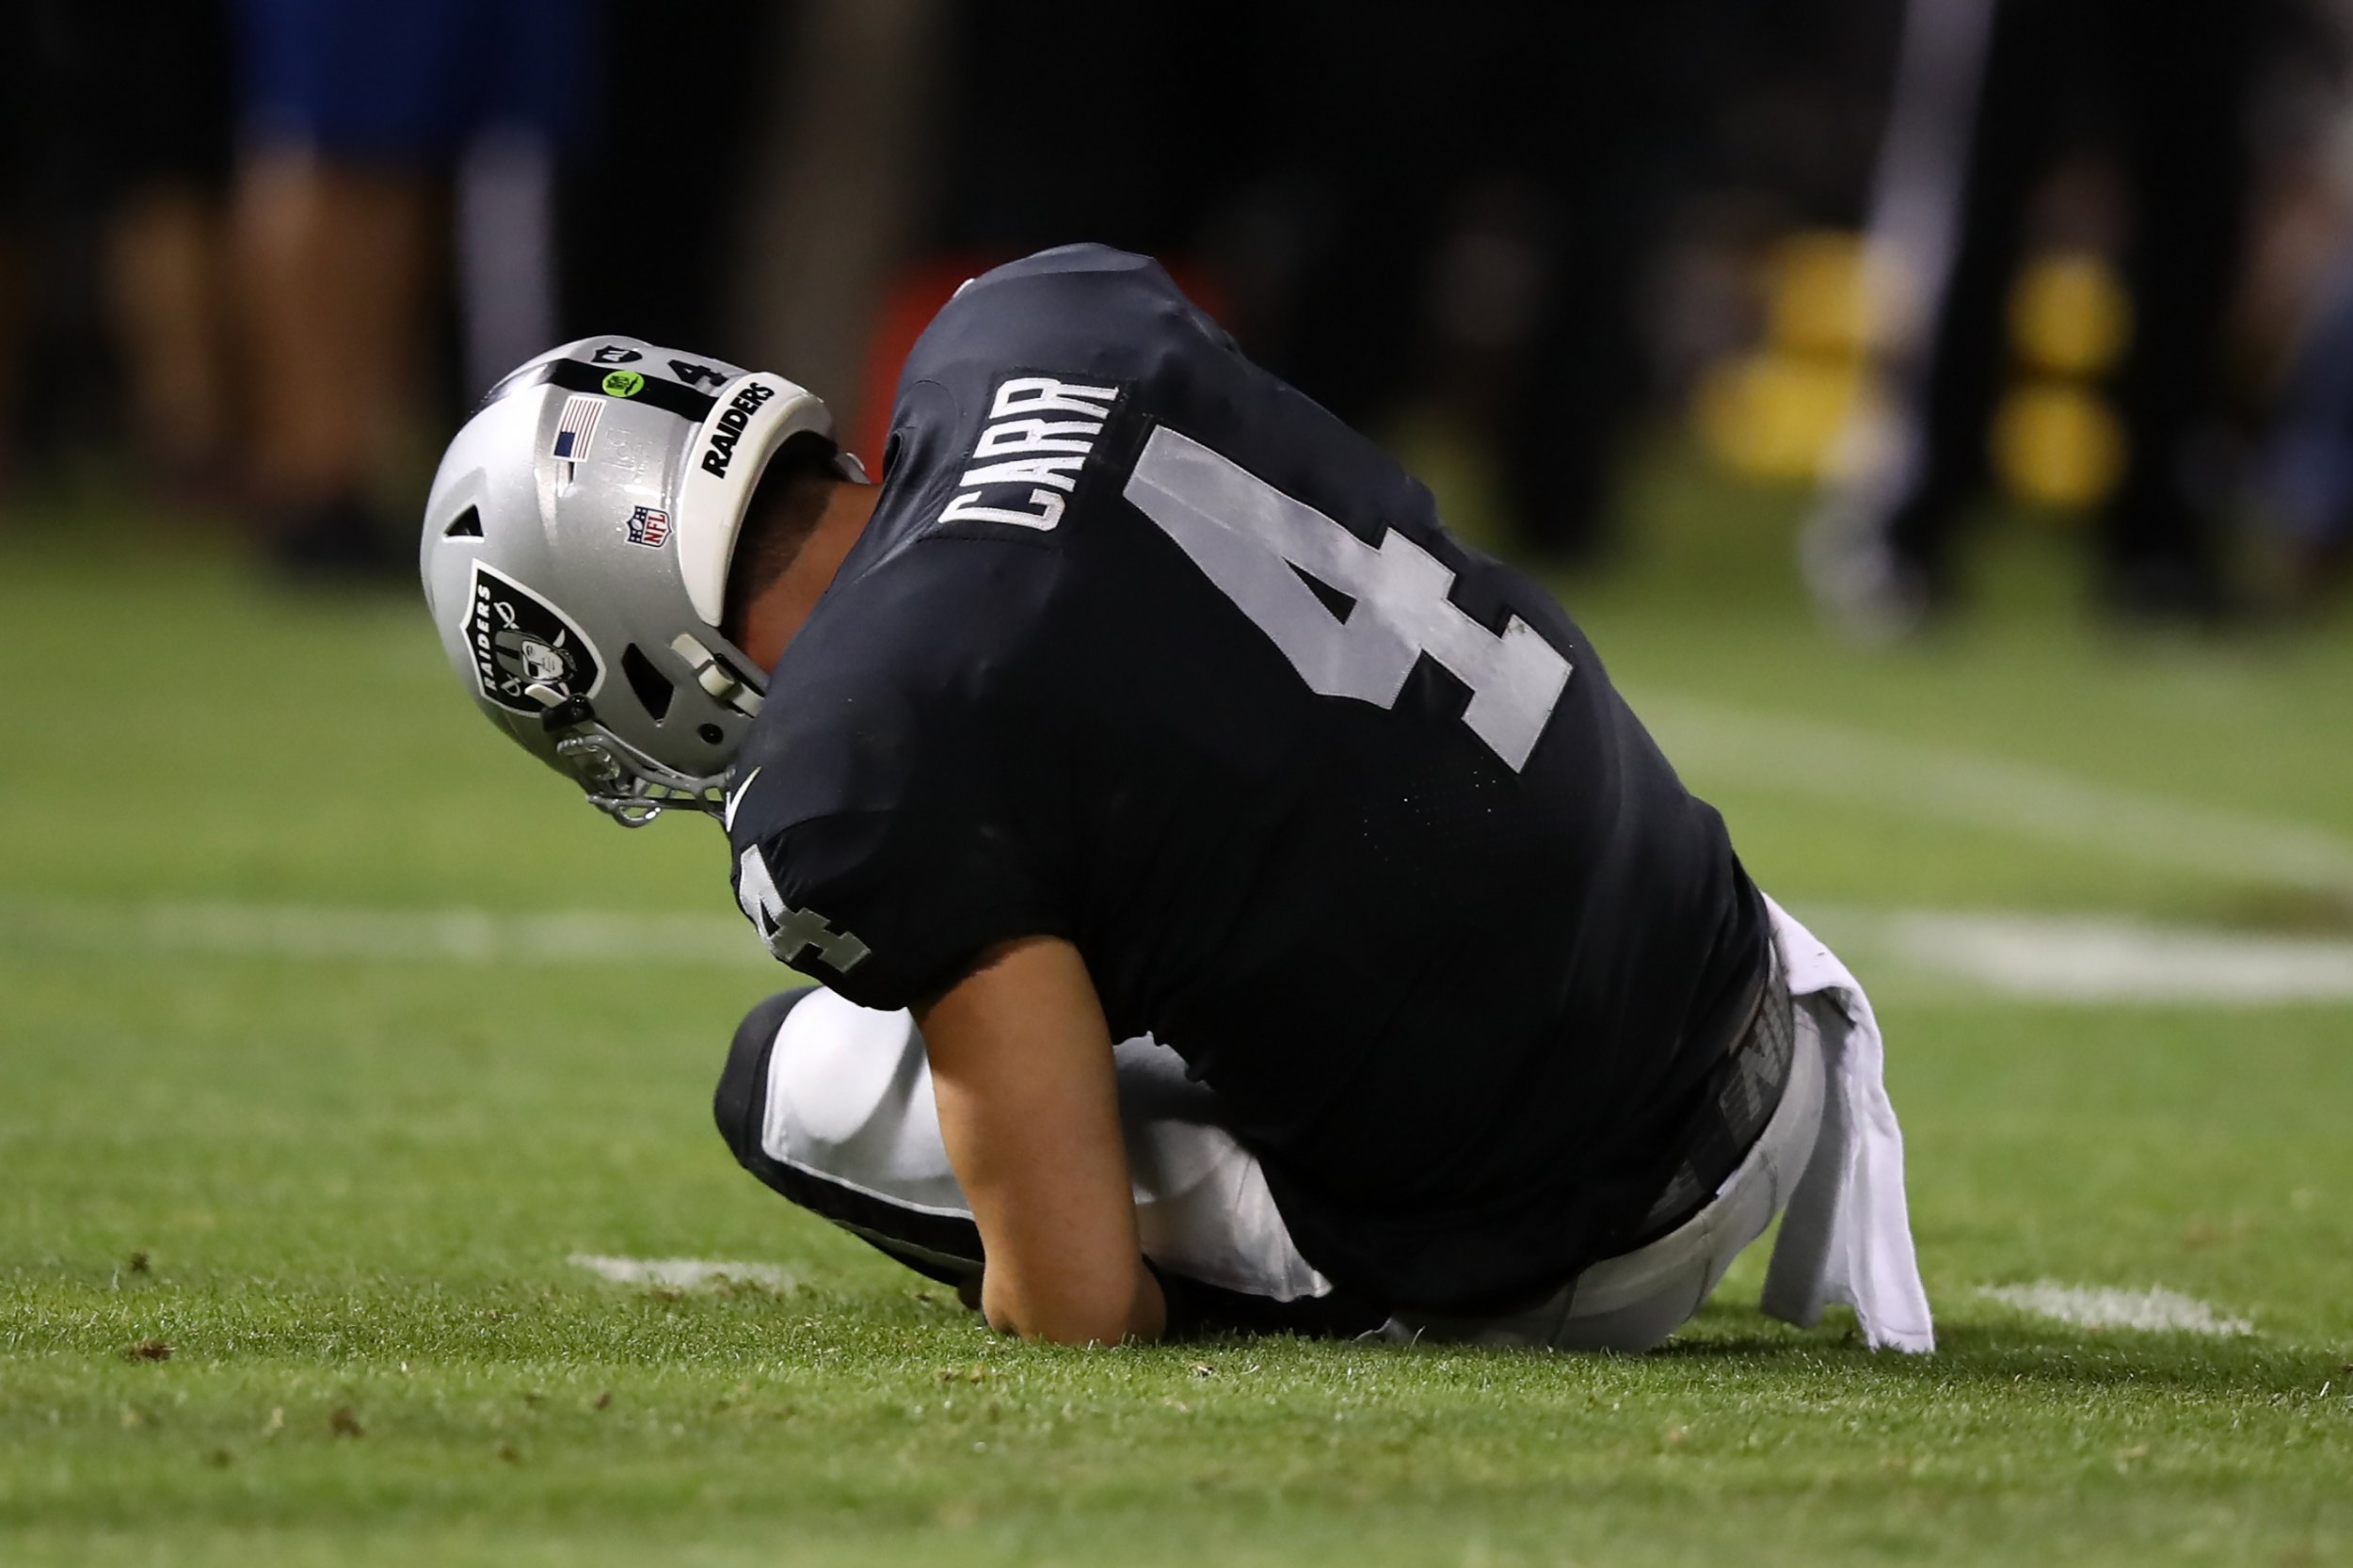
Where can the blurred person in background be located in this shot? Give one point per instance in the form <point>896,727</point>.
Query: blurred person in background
<point>1488,249</point>
<point>2309,468</point>
<point>353,116</point>
<point>1988,94</point>
<point>16,183</point>
<point>2307,478</point>
<point>1396,218</point>
<point>671,276</point>
<point>113,238</point>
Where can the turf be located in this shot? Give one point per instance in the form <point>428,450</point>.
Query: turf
<point>283,1242</point>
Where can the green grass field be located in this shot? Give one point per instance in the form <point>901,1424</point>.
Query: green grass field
<point>293,1158</point>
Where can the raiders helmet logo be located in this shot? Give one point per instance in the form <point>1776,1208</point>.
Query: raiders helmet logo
<point>519,641</point>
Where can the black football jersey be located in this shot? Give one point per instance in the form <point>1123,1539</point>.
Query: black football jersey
<point>1144,650</point>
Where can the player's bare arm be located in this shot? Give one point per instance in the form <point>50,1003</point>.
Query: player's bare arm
<point>1021,1062</point>
<point>1021,1069</point>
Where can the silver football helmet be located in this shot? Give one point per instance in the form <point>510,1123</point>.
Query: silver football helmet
<point>575,557</point>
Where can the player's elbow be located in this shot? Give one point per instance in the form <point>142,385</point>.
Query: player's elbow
<point>1107,1313</point>
<point>1063,1327</point>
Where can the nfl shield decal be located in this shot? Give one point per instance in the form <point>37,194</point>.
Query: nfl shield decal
<point>528,656</point>
<point>648,527</point>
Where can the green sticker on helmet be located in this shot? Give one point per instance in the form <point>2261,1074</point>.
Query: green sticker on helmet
<point>624,383</point>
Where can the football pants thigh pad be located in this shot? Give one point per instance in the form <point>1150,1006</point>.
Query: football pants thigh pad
<point>830,1104</point>
<point>820,1099</point>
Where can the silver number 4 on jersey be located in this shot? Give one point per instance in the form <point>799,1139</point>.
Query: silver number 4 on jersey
<point>1246,535</point>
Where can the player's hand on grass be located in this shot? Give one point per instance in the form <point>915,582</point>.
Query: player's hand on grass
<point>1021,1067</point>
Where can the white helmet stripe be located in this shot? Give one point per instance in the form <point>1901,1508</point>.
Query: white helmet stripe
<point>753,415</point>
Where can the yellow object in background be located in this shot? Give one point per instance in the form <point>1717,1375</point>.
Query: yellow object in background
<point>2069,315</point>
<point>1813,293</point>
<point>1775,416</point>
<point>1778,412</point>
<point>2056,445</point>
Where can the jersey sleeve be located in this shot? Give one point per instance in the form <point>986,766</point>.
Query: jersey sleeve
<point>900,802</point>
<point>890,907</point>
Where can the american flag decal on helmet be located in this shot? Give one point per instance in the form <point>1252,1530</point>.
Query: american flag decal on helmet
<point>578,428</point>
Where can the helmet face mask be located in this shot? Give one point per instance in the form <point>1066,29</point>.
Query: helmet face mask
<point>575,552</point>
<point>630,788</point>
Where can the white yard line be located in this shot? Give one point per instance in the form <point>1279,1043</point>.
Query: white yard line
<point>1903,778</point>
<point>680,1273</point>
<point>429,936</point>
<point>2150,1311</point>
<point>2078,959</point>
<point>2088,959</point>
<point>2057,958</point>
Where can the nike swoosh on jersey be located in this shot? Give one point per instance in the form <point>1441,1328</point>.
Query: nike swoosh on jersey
<point>735,798</point>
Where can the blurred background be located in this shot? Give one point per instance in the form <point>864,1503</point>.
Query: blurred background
<point>1939,413</point>
<point>1904,264</point>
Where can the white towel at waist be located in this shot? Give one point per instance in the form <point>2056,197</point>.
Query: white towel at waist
<point>1846,1235</point>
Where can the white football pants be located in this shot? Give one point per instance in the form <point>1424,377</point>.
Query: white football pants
<point>845,1106</point>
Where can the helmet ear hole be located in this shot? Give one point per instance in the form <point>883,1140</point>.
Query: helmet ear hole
<point>465,525</point>
<point>652,690</point>
<point>712,734</point>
